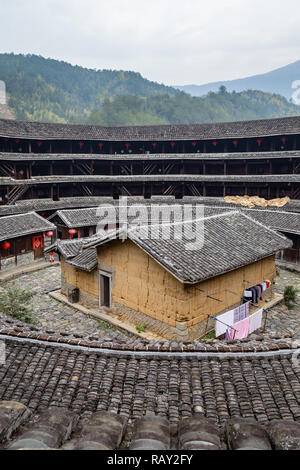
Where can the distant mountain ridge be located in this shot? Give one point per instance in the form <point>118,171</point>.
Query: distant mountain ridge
<point>277,81</point>
<point>52,90</point>
<point>5,112</point>
<point>49,90</point>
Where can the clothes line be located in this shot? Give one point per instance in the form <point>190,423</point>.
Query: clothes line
<point>215,318</point>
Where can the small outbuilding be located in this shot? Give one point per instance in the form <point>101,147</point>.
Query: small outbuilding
<point>158,283</point>
<point>23,238</point>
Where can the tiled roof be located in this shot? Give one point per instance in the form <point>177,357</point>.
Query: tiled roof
<point>58,428</point>
<point>81,380</point>
<point>67,248</point>
<point>38,130</point>
<point>153,156</point>
<point>87,260</point>
<point>27,205</point>
<point>23,224</point>
<point>37,180</point>
<point>208,247</point>
<point>279,219</point>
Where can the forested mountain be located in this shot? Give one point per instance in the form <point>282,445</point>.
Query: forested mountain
<point>49,90</point>
<point>185,109</point>
<point>279,81</point>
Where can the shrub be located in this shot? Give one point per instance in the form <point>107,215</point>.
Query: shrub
<point>290,296</point>
<point>17,303</point>
<point>210,335</point>
<point>140,328</point>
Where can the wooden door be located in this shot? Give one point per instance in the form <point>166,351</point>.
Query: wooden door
<point>38,244</point>
<point>104,290</point>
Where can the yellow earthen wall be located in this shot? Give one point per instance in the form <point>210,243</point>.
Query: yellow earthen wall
<point>85,281</point>
<point>140,283</point>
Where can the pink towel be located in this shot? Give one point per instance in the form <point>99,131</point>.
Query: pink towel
<point>242,328</point>
<point>255,321</point>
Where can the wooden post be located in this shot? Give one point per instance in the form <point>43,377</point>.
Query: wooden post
<point>265,323</point>
<point>206,325</point>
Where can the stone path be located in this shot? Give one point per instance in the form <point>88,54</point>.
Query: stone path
<point>280,319</point>
<point>52,314</point>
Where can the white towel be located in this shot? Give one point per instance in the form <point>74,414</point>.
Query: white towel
<point>228,318</point>
<point>248,294</point>
<point>255,321</point>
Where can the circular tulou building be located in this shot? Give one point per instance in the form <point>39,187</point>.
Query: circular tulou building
<point>115,386</point>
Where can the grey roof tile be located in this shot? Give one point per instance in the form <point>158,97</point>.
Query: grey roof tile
<point>23,224</point>
<point>255,128</point>
<point>220,243</point>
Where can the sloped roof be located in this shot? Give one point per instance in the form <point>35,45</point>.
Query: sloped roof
<point>224,242</point>
<point>67,248</point>
<point>19,225</point>
<point>78,376</point>
<point>86,260</point>
<point>38,180</point>
<point>87,217</point>
<point>254,128</point>
<point>11,156</point>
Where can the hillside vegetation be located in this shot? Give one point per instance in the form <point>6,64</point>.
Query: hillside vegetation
<point>48,90</point>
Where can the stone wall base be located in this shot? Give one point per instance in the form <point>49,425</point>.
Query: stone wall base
<point>22,260</point>
<point>85,298</point>
<point>180,332</point>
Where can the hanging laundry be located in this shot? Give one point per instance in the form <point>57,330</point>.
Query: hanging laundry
<point>228,334</point>
<point>264,286</point>
<point>242,329</point>
<point>225,318</point>
<point>259,291</point>
<point>241,312</point>
<point>254,295</point>
<point>248,294</point>
<point>255,321</point>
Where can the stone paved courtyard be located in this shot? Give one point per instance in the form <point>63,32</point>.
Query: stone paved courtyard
<point>52,314</point>
<point>280,319</point>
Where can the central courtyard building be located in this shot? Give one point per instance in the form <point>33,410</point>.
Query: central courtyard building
<point>161,284</point>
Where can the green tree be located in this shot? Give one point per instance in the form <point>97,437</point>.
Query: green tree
<point>17,303</point>
<point>290,296</point>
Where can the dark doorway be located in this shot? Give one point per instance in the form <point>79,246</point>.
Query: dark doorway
<point>104,291</point>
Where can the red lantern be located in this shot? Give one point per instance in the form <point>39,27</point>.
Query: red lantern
<point>194,144</point>
<point>100,145</point>
<point>72,232</point>
<point>259,142</point>
<point>154,144</point>
<point>49,234</point>
<point>5,245</point>
<point>39,143</point>
<point>172,144</point>
<point>127,146</point>
<point>215,143</point>
<point>235,143</point>
<point>81,144</point>
<point>283,140</point>
<point>17,141</point>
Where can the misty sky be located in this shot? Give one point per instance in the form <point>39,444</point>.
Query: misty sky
<point>174,42</point>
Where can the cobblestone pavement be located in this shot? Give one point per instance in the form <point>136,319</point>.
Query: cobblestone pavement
<point>52,314</point>
<point>280,320</point>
